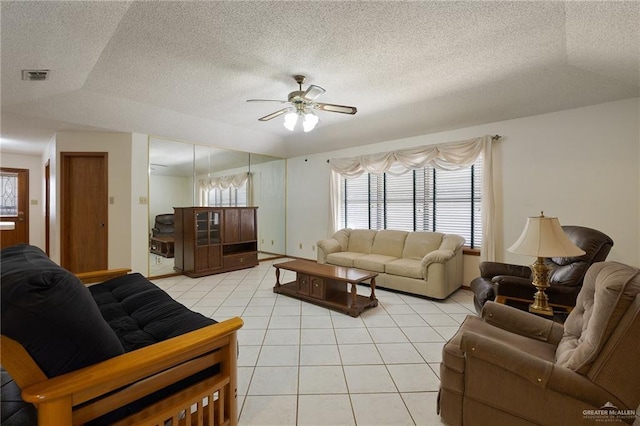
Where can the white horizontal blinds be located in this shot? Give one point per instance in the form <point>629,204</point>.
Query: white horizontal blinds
<point>399,201</point>
<point>230,197</point>
<point>476,242</point>
<point>354,202</point>
<point>240,196</point>
<point>424,214</point>
<point>424,199</point>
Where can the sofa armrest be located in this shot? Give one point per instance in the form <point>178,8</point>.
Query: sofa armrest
<point>522,323</point>
<point>492,269</point>
<point>436,256</point>
<point>137,373</point>
<point>326,247</point>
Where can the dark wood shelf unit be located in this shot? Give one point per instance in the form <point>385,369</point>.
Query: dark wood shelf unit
<point>211,240</point>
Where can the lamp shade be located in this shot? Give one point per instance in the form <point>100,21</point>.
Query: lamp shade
<point>543,237</point>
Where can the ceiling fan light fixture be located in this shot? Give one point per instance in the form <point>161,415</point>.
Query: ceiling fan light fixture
<point>290,120</point>
<point>310,121</point>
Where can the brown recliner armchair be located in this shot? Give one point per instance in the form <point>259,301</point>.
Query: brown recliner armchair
<point>163,226</point>
<point>511,367</point>
<point>512,284</point>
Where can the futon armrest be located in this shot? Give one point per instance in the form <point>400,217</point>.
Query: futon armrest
<point>100,276</point>
<point>522,323</point>
<point>492,269</point>
<point>99,379</point>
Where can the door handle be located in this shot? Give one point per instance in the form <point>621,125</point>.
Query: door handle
<point>20,216</point>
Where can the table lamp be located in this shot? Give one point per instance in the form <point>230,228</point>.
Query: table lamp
<point>543,237</point>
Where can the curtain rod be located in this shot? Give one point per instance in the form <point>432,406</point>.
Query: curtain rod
<point>496,137</point>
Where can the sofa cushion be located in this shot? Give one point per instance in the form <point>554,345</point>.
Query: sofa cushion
<point>411,268</point>
<point>51,313</point>
<point>389,243</point>
<point>343,258</point>
<point>419,243</point>
<point>608,290</point>
<point>141,313</point>
<point>373,262</point>
<point>361,240</point>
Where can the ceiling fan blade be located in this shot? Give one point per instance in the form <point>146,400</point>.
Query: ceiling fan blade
<point>343,109</point>
<point>273,114</point>
<point>313,92</point>
<point>267,100</point>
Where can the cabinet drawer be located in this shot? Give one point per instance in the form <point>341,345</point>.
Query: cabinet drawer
<point>317,288</point>
<point>240,260</point>
<point>303,284</point>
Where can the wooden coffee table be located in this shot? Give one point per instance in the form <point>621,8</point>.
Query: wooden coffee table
<point>326,285</point>
<point>162,246</point>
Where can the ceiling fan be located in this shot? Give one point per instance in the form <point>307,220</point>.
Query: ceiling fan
<point>302,105</point>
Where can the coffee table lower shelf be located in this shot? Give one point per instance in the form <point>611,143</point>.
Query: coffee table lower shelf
<point>341,301</point>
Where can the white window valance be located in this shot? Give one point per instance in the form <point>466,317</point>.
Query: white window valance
<point>224,182</point>
<point>445,156</point>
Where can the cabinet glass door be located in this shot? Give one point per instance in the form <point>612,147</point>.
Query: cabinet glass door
<point>214,227</point>
<point>202,229</point>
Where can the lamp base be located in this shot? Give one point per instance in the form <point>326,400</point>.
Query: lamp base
<point>540,303</point>
<point>541,310</point>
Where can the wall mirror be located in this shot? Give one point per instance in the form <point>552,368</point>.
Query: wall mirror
<point>183,174</point>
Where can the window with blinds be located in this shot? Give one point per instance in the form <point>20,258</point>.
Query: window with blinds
<point>230,197</point>
<point>425,199</point>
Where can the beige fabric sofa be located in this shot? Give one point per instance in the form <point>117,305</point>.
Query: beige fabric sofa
<point>423,263</point>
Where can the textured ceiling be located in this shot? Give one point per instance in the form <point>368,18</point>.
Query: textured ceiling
<point>184,69</point>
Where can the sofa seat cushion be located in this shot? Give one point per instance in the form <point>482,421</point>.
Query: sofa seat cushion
<point>373,262</point>
<point>344,258</point>
<point>141,314</point>
<point>405,267</point>
<point>51,313</point>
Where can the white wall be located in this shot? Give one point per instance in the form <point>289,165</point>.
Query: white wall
<point>580,165</point>
<point>35,165</point>
<point>140,230</point>
<point>167,192</point>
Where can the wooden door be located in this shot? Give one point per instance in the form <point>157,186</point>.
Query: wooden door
<point>84,211</point>
<point>14,206</point>
<point>248,225</point>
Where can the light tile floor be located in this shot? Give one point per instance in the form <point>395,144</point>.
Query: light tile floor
<point>301,364</point>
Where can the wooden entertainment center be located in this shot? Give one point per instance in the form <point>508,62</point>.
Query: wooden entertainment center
<point>211,240</point>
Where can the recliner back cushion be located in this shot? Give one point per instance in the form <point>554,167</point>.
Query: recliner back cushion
<point>607,292</point>
<point>389,242</point>
<point>361,240</point>
<point>419,243</point>
<point>51,313</point>
<point>571,270</point>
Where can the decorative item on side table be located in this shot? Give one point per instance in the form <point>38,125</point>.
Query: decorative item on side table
<point>543,237</point>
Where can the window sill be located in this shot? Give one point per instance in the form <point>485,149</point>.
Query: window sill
<point>470,251</point>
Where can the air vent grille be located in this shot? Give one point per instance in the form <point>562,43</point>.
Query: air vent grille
<point>35,75</point>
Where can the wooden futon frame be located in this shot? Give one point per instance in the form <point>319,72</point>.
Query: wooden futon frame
<point>80,396</point>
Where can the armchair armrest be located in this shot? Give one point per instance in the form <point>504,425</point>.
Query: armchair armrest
<point>522,323</point>
<point>541,373</point>
<point>139,372</point>
<point>492,269</point>
<point>514,360</point>
<point>326,247</point>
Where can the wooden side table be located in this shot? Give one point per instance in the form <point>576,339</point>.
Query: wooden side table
<point>162,246</point>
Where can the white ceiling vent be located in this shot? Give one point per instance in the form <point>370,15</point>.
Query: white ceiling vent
<point>35,75</point>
